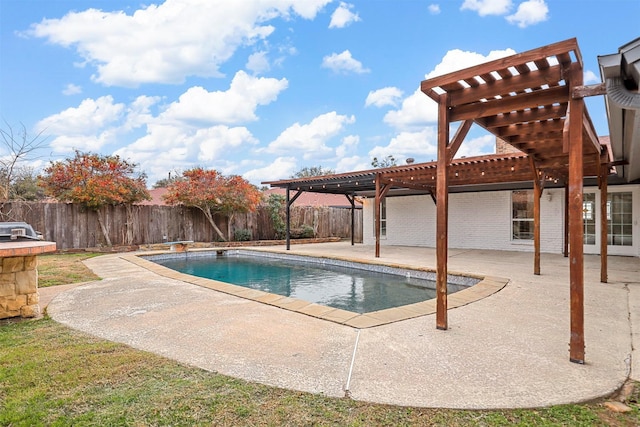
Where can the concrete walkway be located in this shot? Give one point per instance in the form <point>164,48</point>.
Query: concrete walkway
<point>504,351</point>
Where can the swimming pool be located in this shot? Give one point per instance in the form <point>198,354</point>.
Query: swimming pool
<point>355,287</point>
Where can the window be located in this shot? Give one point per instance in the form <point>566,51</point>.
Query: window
<point>589,218</point>
<point>619,216</point>
<point>383,218</point>
<point>522,215</point>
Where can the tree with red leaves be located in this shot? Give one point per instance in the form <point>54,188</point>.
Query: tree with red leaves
<point>214,193</point>
<point>95,181</point>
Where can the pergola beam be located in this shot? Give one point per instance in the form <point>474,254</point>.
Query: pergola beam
<point>460,135</point>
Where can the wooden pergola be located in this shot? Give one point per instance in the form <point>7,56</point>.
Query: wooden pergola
<point>533,101</point>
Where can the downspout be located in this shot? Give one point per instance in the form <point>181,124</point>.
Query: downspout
<point>620,95</point>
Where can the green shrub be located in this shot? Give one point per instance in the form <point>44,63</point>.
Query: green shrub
<point>304,232</point>
<point>275,206</point>
<point>242,235</point>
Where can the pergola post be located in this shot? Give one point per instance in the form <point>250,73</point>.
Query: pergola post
<point>565,250</point>
<point>537,194</point>
<point>442,205</point>
<point>604,222</point>
<point>289,201</point>
<point>288,218</point>
<point>352,200</point>
<point>576,226</point>
<point>377,215</point>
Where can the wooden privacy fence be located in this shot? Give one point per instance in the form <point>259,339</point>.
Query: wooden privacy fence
<point>72,227</point>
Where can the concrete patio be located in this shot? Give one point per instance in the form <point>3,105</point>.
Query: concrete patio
<point>506,350</point>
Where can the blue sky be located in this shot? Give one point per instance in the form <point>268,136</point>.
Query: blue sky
<point>264,88</point>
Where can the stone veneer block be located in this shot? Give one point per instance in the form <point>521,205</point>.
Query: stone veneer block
<point>30,263</point>
<point>33,298</point>
<point>16,303</point>
<point>30,310</point>
<point>7,285</point>
<point>12,264</point>
<point>26,282</point>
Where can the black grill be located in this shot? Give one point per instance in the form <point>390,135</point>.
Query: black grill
<point>17,231</point>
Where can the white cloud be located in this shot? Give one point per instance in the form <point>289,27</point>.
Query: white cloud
<point>485,144</point>
<point>590,77</point>
<point>457,59</point>
<point>343,63</point>
<point>238,104</point>
<point>348,146</point>
<point>487,7</point>
<point>384,96</point>
<point>529,13</point>
<point>281,166</point>
<point>166,43</point>
<point>258,62</point>
<point>417,110</point>
<point>421,145</point>
<point>188,132</point>
<point>71,89</point>
<point>90,115</point>
<point>353,163</point>
<point>87,143</point>
<point>138,113</point>
<point>215,141</point>
<point>168,147</point>
<point>343,16</point>
<point>310,139</point>
<point>434,9</point>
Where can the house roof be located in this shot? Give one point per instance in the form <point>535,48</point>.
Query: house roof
<point>316,199</point>
<point>522,99</point>
<point>306,199</point>
<point>156,197</point>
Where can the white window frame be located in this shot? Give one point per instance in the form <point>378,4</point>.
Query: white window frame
<point>514,238</point>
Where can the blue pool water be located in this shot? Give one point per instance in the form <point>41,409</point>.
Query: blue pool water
<point>351,289</point>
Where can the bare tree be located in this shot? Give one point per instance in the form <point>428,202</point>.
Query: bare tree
<point>309,171</point>
<point>385,162</point>
<point>19,147</point>
<point>24,185</point>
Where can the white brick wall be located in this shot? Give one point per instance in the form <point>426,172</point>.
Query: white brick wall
<point>482,221</point>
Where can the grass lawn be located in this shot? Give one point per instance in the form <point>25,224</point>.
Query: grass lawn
<point>62,269</point>
<point>53,375</point>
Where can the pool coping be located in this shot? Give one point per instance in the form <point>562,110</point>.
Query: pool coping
<point>487,286</point>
